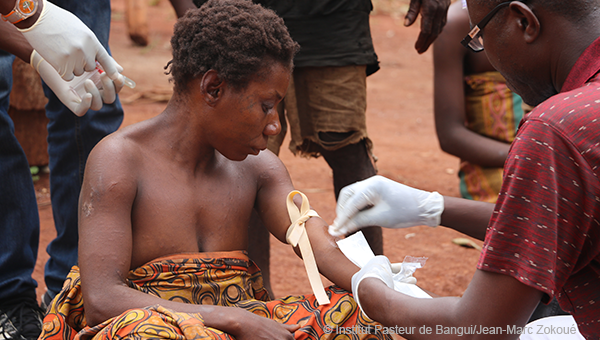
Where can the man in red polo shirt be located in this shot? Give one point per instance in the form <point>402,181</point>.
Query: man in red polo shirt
<point>543,235</point>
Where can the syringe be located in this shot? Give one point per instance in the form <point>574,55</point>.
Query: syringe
<point>78,88</point>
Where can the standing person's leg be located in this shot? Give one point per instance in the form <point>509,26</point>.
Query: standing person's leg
<point>329,119</point>
<point>19,226</point>
<point>350,164</point>
<point>70,140</point>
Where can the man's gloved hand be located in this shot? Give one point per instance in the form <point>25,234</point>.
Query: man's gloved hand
<point>379,201</point>
<point>68,44</point>
<point>93,99</point>
<point>378,267</point>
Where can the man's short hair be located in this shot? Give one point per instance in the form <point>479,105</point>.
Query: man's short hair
<point>236,38</point>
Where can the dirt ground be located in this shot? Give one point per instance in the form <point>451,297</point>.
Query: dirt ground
<point>400,123</point>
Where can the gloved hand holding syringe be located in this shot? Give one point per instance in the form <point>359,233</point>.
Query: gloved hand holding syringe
<point>90,90</point>
<point>77,84</point>
<point>64,48</point>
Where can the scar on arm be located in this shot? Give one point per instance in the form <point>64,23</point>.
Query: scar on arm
<point>87,208</point>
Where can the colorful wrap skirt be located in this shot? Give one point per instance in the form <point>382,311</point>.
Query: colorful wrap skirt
<point>224,279</point>
<point>493,111</point>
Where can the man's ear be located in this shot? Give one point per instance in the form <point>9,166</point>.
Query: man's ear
<point>211,86</point>
<point>527,21</point>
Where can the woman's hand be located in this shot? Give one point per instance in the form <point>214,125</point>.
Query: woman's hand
<point>246,325</point>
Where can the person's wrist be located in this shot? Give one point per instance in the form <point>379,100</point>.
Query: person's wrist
<point>28,22</point>
<point>433,207</point>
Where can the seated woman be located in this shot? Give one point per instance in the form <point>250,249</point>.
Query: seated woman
<point>165,204</point>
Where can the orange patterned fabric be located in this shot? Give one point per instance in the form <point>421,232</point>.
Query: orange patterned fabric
<point>225,279</point>
<point>493,111</point>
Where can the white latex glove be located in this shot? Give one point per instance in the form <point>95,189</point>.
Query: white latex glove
<point>379,201</point>
<point>93,99</point>
<point>378,267</point>
<point>67,43</point>
<point>403,272</point>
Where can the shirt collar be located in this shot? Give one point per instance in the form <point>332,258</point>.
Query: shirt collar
<point>585,67</point>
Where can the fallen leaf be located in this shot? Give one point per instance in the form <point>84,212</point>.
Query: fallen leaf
<point>467,243</point>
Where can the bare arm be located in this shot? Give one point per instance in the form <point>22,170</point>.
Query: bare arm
<point>181,6</point>
<point>449,58</point>
<point>14,42</point>
<point>467,216</point>
<point>271,205</point>
<point>105,250</point>
<point>491,300</point>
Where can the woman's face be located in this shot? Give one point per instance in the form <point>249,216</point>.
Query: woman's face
<point>248,116</point>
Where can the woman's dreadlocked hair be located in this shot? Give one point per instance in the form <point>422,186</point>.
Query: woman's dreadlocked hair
<point>236,38</point>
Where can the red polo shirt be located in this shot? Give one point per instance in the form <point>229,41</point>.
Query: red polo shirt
<point>545,230</point>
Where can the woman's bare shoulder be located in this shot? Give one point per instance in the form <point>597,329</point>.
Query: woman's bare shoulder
<point>115,159</point>
<point>265,162</point>
<point>123,146</point>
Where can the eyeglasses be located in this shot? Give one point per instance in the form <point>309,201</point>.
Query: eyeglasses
<point>473,40</point>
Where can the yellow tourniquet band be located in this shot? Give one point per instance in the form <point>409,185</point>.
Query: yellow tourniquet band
<point>297,235</point>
